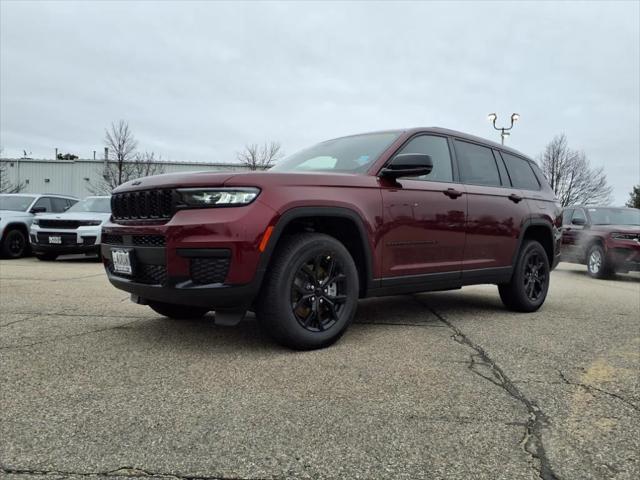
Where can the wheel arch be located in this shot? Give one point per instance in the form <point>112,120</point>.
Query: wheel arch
<point>540,231</point>
<point>16,226</point>
<point>344,224</point>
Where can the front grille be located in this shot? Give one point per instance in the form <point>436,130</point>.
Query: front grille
<point>208,270</point>
<point>137,240</point>
<point>149,240</point>
<point>144,273</point>
<point>68,224</point>
<point>65,238</point>
<point>111,239</point>
<point>147,205</point>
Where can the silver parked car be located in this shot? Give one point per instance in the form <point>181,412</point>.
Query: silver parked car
<point>75,231</point>
<point>18,210</point>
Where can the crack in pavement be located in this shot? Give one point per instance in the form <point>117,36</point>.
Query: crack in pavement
<point>531,442</point>
<point>57,337</point>
<point>590,388</point>
<point>131,472</point>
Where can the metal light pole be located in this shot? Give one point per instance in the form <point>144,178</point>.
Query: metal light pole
<point>504,131</point>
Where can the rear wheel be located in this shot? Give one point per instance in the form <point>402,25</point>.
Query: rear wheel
<point>178,312</point>
<point>311,292</point>
<point>597,264</point>
<point>529,284</point>
<point>46,257</point>
<point>14,244</point>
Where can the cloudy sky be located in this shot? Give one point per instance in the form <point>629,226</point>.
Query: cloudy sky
<point>197,80</point>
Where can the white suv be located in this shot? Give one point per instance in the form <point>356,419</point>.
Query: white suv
<point>75,231</point>
<point>18,210</point>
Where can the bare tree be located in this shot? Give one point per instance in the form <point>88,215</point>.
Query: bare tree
<point>5,184</point>
<point>571,177</point>
<point>121,144</point>
<point>260,157</point>
<point>112,175</point>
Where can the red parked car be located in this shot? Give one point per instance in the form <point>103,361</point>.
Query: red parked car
<point>375,214</point>
<point>606,239</point>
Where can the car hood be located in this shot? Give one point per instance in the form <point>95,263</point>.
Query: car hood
<point>75,216</point>
<point>13,214</point>
<point>245,179</point>
<point>617,228</point>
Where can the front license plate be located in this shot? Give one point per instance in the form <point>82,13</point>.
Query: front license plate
<point>121,261</point>
<point>56,240</point>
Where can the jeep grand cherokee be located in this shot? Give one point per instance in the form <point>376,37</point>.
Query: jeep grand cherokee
<point>366,215</point>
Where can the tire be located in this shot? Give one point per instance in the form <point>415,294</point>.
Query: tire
<point>597,264</point>
<point>178,312</point>
<point>14,244</point>
<point>299,306</point>
<point>46,257</point>
<point>529,284</point>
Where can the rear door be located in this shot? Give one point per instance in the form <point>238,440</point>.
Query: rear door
<point>424,217</point>
<point>496,210</point>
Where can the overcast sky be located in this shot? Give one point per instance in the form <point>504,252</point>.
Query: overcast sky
<point>197,80</point>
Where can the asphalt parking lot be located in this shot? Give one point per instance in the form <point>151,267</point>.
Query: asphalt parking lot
<point>439,385</point>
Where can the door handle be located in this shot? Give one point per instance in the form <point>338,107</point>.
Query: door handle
<point>452,193</point>
<point>515,198</point>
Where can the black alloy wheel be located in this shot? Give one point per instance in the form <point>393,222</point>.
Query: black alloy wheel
<point>14,244</point>
<point>318,293</point>
<point>535,276</point>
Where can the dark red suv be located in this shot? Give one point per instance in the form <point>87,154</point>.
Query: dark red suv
<point>375,214</point>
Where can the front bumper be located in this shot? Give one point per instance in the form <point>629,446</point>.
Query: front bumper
<point>624,254</point>
<point>203,257</point>
<point>80,240</point>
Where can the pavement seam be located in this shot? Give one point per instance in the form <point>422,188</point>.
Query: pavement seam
<point>532,440</point>
<point>131,472</point>
<point>591,388</point>
<point>58,337</point>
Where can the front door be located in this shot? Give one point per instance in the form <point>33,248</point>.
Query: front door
<point>424,217</point>
<point>572,232</point>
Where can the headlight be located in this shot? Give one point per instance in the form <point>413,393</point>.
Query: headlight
<point>36,221</point>
<point>90,223</point>
<point>625,236</point>
<point>218,197</point>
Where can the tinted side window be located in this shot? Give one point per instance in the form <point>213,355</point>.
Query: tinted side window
<point>566,216</point>
<point>59,204</point>
<point>44,202</point>
<point>477,164</point>
<point>438,149</point>
<point>521,173</point>
<point>578,213</point>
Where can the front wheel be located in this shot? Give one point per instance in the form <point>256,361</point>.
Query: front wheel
<point>530,280</point>
<point>597,264</point>
<point>311,292</point>
<point>178,312</point>
<point>14,244</point>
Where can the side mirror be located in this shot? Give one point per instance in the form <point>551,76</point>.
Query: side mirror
<point>578,221</point>
<point>408,165</point>
<point>38,210</point>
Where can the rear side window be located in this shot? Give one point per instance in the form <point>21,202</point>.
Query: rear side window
<point>566,216</point>
<point>477,164</point>
<point>438,149</point>
<point>521,173</point>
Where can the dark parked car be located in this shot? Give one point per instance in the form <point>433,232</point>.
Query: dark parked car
<point>367,215</point>
<point>606,239</point>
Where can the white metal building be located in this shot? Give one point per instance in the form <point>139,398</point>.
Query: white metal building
<point>73,177</point>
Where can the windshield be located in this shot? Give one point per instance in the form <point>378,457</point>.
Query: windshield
<point>17,203</point>
<point>614,216</point>
<point>92,204</point>
<point>347,154</point>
